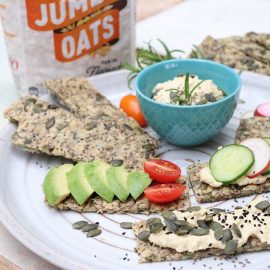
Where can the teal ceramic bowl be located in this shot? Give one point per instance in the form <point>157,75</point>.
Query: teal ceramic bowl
<point>188,125</point>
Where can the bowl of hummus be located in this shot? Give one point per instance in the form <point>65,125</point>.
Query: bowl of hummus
<point>188,101</point>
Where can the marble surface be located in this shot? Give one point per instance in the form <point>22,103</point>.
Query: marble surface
<point>180,27</point>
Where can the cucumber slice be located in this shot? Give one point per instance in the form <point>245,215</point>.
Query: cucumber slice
<point>231,163</point>
<point>267,172</point>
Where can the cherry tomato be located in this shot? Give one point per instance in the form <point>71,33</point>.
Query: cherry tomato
<point>162,171</point>
<point>263,110</point>
<point>164,193</point>
<point>130,105</point>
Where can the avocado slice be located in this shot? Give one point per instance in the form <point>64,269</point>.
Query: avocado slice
<point>117,180</point>
<point>96,175</point>
<point>137,182</point>
<point>78,185</point>
<point>55,186</point>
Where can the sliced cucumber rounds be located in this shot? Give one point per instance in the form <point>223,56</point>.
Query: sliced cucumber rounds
<point>267,172</point>
<point>231,163</point>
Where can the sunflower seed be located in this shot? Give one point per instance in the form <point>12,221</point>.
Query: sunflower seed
<point>199,232</point>
<point>216,226</point>
<point>168,215</point>
<point>52,107</point>
<point>193,209</point>
<point>171,226</point>
<point>117,162</point>
<point>144,235</point>
<point>238,207</point>
<point>156,227</point>
<point>50,123</point>
<point>201,223</point>
<point>94,233</point>
<point>230,247</point>
<point>227,235</point>
<point>126,225</point>
<point>262,205</point>
<point>79,224</point>
<point>89,227</point>
<point>217,210</point>
<point>128,127</point>
<point>219,234</point>
<point>27,141</point>
<point>90,126</point>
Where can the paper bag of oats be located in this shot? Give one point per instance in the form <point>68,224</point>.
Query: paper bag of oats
<point>49,39</point>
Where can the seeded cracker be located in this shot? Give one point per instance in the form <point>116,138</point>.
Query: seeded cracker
<point>140,206</point>
<point>153,253</point>
<point>255,127</point>
<point>205,193</point>
<point>48,129</point>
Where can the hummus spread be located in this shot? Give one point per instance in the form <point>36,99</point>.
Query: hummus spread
<point>207,178</point>
<point>172,91</point>
<point>250,221</point>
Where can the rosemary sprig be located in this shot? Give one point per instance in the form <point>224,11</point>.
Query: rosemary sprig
<point>197,52</point>
<point>147,57</point>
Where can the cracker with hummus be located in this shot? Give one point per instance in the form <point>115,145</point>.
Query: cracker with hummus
<point>200,232</point>
<point>258,127</point>
<point>206,189</point>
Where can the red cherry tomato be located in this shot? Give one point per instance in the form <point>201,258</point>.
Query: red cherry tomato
<point>162,171</point>
<point>263,110</point>
<point>164,193</point>
<point>130,105</point>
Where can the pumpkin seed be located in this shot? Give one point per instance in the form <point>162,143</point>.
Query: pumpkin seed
<point>90,126</point>
<point>262,205</point>
<point>199,231</point>
<point>230,247</point>
<point>181,222</point>
<point>79,224</point>
<point>126,225</point>
<point>216,226</point>
<point>156,227</point>
<point>267,210</point>
<point>227,235</point>
<point>217,210</point>
<point>236,230</point>
<point>153,220</point>
<point>171,226</point>
<point>219,234</point>
<point>50,123</point>
<point>27,141</point>
<point>188,228</point>
<point>201,223</point>
<point>193,209</point>
<point>182,231</point>
<point>117,162</point>
<point>168,215</point>
<point>149,146</point>
<point>128,127</point>
<point>144,235</point>
<point>89,227</point>
<point>94,233</point>
<point>62,126</point>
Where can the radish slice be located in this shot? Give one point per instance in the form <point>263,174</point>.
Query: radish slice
<point>247,115</point>
<point>263,110</point>
<point>261,152</point>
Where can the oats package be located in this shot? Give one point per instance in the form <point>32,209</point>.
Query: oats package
<point>49,39</point>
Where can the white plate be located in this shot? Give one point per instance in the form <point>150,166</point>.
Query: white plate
<point>48,232</point>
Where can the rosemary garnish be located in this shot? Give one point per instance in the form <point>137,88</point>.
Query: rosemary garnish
<point>198,53</point>
<point>174,92</point>
<point>147,57</point>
